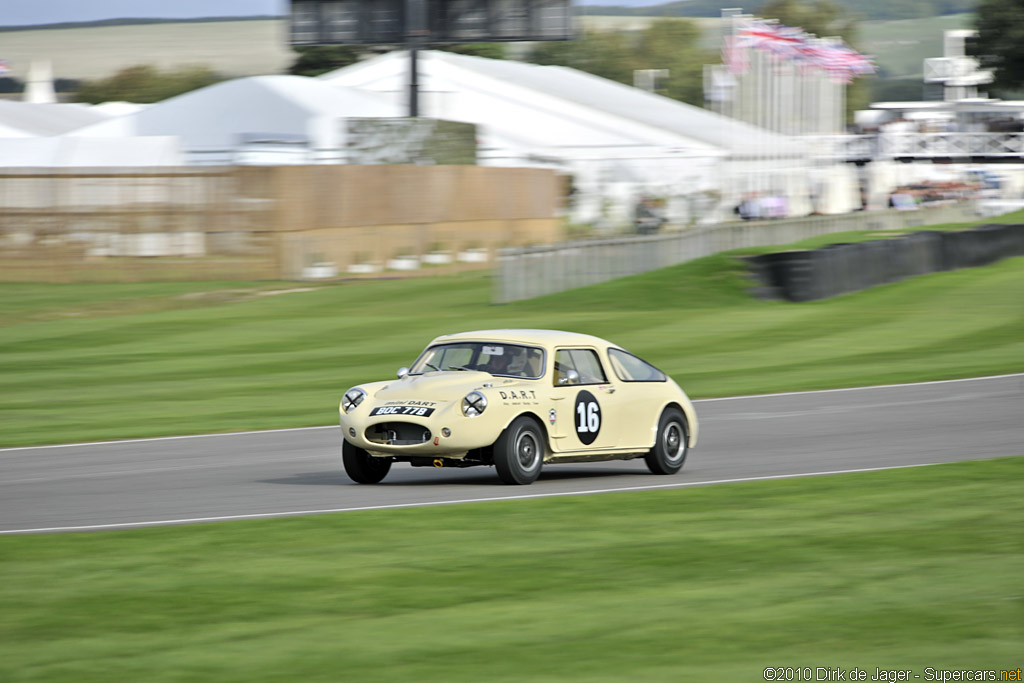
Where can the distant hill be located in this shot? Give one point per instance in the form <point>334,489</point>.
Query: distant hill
<point>864,9</point>
<point>246,47</point>
<point>130,21</point>
<point>243,47</point>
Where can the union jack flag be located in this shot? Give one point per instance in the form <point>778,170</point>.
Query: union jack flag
<point>781,40</point>
<point>838,60</point>
<point>3,67</point>
<point>793,44</point>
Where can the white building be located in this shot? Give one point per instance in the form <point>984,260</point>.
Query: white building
<point>963,136</point>
<point>617,142</point>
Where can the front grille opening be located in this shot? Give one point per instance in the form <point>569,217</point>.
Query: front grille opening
<point>398,434</point>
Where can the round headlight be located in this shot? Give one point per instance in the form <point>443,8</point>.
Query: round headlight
<point>353,397</point>
<point>474,404</point>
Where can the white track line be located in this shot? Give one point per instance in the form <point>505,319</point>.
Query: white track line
<point>436,503</point>
<point>877,386</point>
<point>166,438</point>
<point>700,400</point>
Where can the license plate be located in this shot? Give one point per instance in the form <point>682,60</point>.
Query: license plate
<point>412,411</point>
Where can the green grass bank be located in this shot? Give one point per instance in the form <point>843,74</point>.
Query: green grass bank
<point>106,361</point>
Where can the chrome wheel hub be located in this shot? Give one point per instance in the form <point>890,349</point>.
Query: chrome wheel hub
<point>527,451</point>
<point>675,448</point>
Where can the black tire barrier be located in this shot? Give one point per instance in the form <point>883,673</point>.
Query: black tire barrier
<point>809,275</point>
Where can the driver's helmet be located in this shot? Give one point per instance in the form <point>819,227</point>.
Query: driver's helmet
<point>507,360</point>
<point>516,360</point>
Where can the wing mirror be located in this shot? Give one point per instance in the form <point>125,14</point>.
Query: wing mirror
<point>570,377</point>
<point>402,372</point>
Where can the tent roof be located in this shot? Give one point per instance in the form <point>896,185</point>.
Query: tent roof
<point>118,108</point>
<point>616,98</point>
<point>309,94</point>
<point>23,119</point>
<point>219,114</point>
<point>634,111</point>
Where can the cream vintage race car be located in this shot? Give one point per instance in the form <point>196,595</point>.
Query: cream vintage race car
<point>517,399</point>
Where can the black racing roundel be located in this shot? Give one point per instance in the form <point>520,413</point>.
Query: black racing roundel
<point>588,417</point>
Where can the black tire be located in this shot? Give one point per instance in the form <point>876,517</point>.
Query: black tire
<point>361,467</point>
<point>669,452</point>
<point>519,452</point>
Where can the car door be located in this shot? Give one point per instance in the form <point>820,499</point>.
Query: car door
<point>641,389</point>
<point>586,415</point>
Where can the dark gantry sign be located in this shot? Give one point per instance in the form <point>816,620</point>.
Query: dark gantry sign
<point>385,22</point>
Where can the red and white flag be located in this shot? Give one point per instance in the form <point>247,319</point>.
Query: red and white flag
<point>793,44</point>
<point>782,40</point>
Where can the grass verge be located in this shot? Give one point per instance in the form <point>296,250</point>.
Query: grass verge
<point>900,569</point>
<point>102,361</point>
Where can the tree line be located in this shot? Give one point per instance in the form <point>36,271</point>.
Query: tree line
<point>667,43</point>
<point>875,10</point>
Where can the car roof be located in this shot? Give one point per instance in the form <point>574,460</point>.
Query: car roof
<point>548,338</point>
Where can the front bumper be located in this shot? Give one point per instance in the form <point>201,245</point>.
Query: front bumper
<point>421,437</point>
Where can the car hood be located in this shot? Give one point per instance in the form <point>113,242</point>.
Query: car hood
<point>436,386</point>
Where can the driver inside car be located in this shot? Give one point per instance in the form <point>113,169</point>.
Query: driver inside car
<point>511,361</point>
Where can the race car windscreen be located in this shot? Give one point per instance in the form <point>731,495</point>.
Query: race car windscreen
<point>499,359</point>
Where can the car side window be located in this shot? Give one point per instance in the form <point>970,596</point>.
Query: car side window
<point>583,361</point>
<point>629,368</point>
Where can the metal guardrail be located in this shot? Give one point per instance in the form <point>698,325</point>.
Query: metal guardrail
<point>952,145</point>
<point>526,273</point>
<point>923,146</point>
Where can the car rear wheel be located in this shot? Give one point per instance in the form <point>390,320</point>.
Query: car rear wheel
<point>669,450</point>
<point>519,452</point>
<point>361,467</point>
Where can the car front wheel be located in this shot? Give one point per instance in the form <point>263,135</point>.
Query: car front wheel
<point>519,452</point>
<point>362,467</point>
<point>669,450</point>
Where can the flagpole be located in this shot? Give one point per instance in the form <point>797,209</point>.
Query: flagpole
<point>759,114</point>
<point>793,83</point>
<point>774,80</point>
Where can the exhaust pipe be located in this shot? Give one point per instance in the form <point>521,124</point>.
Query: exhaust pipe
<point>438,462</point>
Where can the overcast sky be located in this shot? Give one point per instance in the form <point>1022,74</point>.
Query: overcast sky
<point>23,12</point>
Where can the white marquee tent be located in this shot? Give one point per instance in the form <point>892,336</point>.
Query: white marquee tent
<point>66,151</point>
<point>260,119</point>
<point>26,119</point>
<point>617,142</point>
<point>34,135</point>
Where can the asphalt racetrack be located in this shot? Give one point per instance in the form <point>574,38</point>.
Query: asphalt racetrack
<point>126,484</point>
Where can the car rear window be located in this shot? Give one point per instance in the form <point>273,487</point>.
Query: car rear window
<point>629,368</point>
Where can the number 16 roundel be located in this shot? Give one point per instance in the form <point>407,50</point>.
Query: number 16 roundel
<point>588,417</point>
